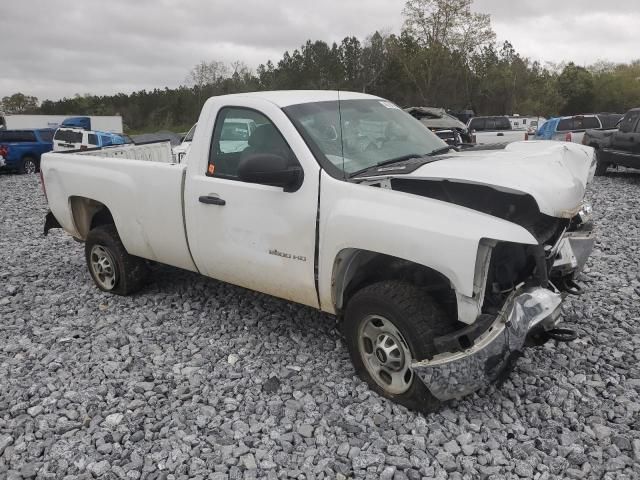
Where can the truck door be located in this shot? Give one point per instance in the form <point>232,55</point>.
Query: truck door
<point>254,235</point>
<point>625,138</point>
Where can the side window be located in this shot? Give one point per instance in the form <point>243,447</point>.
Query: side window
<point>93,139</point>
<point>240,132</point>
<point>590,122</point>
<point>628,122</point>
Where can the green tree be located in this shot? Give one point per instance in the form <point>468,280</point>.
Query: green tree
<point>19,103</point>
<point>576,87</point>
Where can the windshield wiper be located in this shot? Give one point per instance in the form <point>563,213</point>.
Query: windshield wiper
<point>388,162</point>
<point>441,150</point>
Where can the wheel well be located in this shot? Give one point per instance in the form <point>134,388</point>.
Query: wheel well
<point>355,269</point>
<point>89,214</point>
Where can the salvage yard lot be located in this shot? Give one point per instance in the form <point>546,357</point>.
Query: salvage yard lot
<point>193,378</point>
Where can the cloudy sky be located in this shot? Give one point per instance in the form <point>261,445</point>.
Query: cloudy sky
<point>56,48</point>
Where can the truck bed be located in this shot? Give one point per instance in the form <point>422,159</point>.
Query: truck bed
<point>139,184</point>
<point>151,152</point>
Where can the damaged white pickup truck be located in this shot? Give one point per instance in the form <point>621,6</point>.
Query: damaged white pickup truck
<point>440,265</point>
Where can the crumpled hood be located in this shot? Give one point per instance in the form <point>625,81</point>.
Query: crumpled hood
<point>555,174</point>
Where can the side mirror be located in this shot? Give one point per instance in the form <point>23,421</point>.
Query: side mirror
<point>270,169</point>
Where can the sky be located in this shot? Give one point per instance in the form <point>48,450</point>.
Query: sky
<point>57,48</point>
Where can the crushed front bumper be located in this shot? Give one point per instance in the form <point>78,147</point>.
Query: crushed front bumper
<point>528,310</point>
<point>454,375</point>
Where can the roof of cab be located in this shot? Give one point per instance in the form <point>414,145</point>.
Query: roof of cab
<point>285,98</point>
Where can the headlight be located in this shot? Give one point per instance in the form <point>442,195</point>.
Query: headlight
<point>585,212</point>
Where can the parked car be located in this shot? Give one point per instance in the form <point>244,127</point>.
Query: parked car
<point>67,138</point>
<point>617,146</point>
<point>572,128</point>
<point>21,149</point>
<point>181,150</point>
<point>494,130</point>
<point>439,264</point>
<point>444,125</point>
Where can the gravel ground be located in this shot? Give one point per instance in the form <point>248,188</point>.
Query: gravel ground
<point>193,378</point>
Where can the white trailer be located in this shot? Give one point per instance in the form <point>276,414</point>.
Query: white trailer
<point>104,123</point>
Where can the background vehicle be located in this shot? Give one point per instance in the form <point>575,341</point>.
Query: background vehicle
<point>79,139</point>
<point>526,122</point>
<point>618,146</point>
<point>429,256</point>
<point>88,122</point>
<point>181,150</point>
<point>21,149</point>
<point>494,130</point>
<point>572,128</point>
<point>446,126</point>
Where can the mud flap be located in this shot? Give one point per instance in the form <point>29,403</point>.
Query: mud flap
<point>50,222</point>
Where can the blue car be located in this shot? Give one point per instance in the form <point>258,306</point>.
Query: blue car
<point>21,149</point>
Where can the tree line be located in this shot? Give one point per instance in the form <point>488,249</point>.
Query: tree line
<point>445,55</point>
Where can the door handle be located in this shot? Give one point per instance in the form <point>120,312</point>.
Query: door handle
<point>501,134</point>
<point>212,200</point>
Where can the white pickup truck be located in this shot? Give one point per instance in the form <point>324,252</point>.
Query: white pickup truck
<point>440,265</point>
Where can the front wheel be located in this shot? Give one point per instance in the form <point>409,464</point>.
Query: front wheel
<point>601,166</point>
<point>387,325</point>
<point>111,267</point>
<point>28,165</point>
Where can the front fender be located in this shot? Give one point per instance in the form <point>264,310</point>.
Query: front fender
<point>436,234</point>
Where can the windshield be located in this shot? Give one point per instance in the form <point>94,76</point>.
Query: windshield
<point>373,132</point>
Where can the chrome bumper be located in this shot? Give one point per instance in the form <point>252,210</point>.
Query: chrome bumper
<point>2,162</point>
<point>454,375</point>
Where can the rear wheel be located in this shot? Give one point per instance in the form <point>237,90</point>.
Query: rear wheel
<point>111,267</point>
<point>387,326</point>
<point>28,165</point>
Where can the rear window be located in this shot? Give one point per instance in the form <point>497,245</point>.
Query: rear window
<point>477,124</point>
<point>565,125</point>
<point>502,123</point>
<point>68,136</point>
<point>17,136</point>
<point>590,122</point>
<point>46,135</point>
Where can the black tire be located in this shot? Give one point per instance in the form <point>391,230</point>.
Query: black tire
<point>417,317</point>
<point>129,272</point>
<point>28,165</point>
<point>601,167</point>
